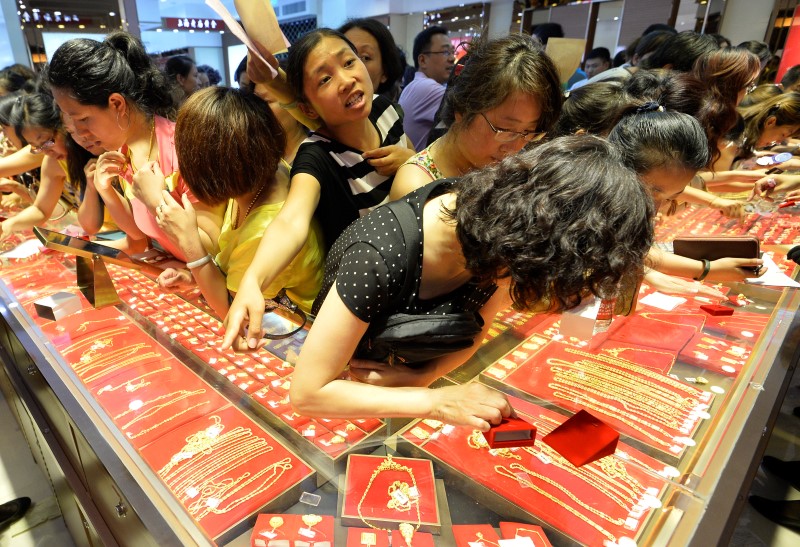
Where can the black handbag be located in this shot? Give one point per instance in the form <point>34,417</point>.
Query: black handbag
<point>407,338</point>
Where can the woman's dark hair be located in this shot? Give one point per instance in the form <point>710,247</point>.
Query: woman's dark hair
<point>422,42</point>
<point>35,110</point>
<point>390,58</point>
<point>726,72</point>
<point>299,52</point>
<point>77,157</point>
<point>7,104</point>
<point>593,108</point>
<point>213,74</point>
<point>722,41</point>
<point>497,68</point>
<point>680,51</point>
<point>210,127</point>
<point>561,220</point>
<point>675,91</point>
<point>761,94</point>
<point>17,77</point>
<point>91,71</point>
<point>652,140</point>
<point>178,65</point>
<point>650,43</point>
<point>759,49</point>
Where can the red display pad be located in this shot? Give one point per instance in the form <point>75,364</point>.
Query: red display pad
<point>292,530</point>
<point>603,501</point>
<point>367,537</point>
<point>475,535</point>
<point>389,500</point>
<point>511,432</point>
<point>511,530</point>
<point>716,309</point>
<point>419,539</point>
<point>651,407</point>
<point>743,325</point>
<point>664,331</point>
<point>583,439</point>
<point>777,228</point>
<point>223,468</point>
<point>716,354</point>
<point>655,360</point>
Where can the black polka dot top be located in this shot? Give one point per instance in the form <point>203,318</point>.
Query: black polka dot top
<point>367,265</point>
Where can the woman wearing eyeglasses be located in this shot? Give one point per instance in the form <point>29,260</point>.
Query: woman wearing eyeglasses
<point>507,95</point>
<point>63,182</point>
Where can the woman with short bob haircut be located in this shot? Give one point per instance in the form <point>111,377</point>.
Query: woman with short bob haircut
<point>221,167</point>
<point>542,229</point>
<point>507,95</point>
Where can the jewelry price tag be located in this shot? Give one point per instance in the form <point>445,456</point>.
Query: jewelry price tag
<point>307,532</point>
<point>523,479</point>
<point>545,459</point>
<point>413,493</point>
<point>400,497</point>
<point>310,499</point>
<point>519,541</point>
<point>309,433</point>
<point>269,535</point>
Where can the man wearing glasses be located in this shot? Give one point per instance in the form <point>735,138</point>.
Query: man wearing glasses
<point>433,58</point>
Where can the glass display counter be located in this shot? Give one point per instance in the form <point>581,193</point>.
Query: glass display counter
<point>176,442</point>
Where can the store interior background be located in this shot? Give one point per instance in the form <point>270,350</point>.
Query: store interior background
<point>29,41</point>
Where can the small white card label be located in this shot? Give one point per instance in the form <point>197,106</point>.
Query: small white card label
<point>307,532</point>
<point>519,541</point>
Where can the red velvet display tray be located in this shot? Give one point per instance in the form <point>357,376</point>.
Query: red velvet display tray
<point>716,354</point>
<point>780,228</point>
<point>511,530</point>
<point>356,537</point>
<point>475,535</point>
<point>742,325</point>
<point>625,487</point>
<point>657,330</point>
<point>223,468</point>
<point>576,379</point>
<point>378,506</point>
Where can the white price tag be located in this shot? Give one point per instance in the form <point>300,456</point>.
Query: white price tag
<point>413,493</point>
<point>400,497</point>
<point>307,532</point>
<point>519,541</point>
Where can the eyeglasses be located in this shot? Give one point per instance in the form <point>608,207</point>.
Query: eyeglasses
<point>506,135</point>
<point>445,52</point>
<point>45,146</point>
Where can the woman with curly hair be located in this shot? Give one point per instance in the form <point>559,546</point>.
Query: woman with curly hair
<point>542,229</point>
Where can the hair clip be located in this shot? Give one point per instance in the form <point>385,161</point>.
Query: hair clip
<point>650,106</point>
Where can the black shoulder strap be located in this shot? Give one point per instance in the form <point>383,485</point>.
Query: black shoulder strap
<point>409,226</point>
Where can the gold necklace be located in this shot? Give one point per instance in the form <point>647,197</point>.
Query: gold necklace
<point>132,385</point>
<point>149,148</point>
<point>506,472</point>
<point>162,422</point>
<point>388,465</point>
<point>249,207</point>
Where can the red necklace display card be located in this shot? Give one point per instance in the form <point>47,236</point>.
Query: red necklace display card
<point>223,468</point>
<point>73,328</point>
<point>742,325</point>
<point>391,495</point>
<point>664,331</point>
<point>273,530</point>
<point>651,407</point>
<point>512,530</point>
<point>716,354</point>
<point>603,501</point>
<point>367,537</point>
<point>475,535</point>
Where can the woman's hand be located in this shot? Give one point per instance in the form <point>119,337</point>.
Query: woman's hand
<point>148,184</point>
<point>10,185</point>
<point>173,279</point>
<point>735,269</point>
<point>768,185</point>
<point>731,208</point>
<point>243,322</point>
<point>473,405</point>
<point>89,170</point>
<point>109,166</point>
<point>179,223</point>
<point>257,70</point>
<point>5,230</point>
<point>669,284</point>
<point>387,159</point>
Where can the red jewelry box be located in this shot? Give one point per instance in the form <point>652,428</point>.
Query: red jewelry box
<point>378,492</point>
<point>511,432</point>
<point>716,309</point>
<point>419,539</point>
<point>469,535</point>
<point>582,439</point>
<point>292,530</point>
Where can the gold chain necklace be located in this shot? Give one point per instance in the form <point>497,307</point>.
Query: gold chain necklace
<point>149,148</point>
<point>389,465</point>
<point>249,207</point>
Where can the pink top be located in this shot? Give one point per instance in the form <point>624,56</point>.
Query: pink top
<point>168,161</point>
